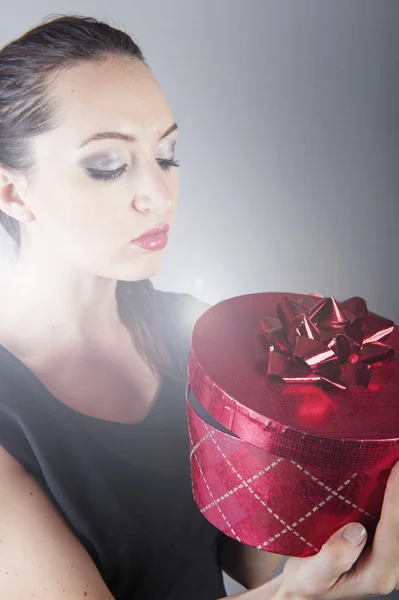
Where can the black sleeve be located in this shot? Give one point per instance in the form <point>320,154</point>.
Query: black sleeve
<point>179,313</point>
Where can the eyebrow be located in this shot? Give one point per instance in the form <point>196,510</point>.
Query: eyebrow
<point>122,136</point>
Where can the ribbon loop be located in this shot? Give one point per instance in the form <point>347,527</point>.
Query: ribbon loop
<point>330,341</point>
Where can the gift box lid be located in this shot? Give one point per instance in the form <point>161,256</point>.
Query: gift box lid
<point>312,423</point>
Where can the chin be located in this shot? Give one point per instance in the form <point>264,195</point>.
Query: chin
<point>137,272</point>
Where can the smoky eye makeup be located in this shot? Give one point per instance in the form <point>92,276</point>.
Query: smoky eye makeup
<point>105,166</point>
<point>166,150</point>
<point>111,165</point>
<point>166,155</point>
<point>104,161</point>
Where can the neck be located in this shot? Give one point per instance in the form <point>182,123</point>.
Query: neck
<point>42,295</point>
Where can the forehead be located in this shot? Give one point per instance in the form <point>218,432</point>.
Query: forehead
<point>120,93</point>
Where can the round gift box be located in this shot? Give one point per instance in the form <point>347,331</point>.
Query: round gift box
<point>276,465</point>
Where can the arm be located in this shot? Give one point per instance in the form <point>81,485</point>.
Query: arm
<point>246,565</point>
<point>39,555</point>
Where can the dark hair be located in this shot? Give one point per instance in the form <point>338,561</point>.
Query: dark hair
<point>28,65</point>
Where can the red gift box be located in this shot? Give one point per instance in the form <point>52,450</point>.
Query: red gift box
<point>292,438</point>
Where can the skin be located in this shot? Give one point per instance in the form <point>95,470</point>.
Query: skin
<point>76,244</point>
<point>78,229</point>
<point>77,232</point>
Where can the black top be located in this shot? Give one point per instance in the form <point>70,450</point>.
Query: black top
<point>125,489</point>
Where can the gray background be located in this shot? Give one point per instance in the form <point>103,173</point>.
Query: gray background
<point>289,139</point>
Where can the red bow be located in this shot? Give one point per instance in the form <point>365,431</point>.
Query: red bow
<point>328,341</point>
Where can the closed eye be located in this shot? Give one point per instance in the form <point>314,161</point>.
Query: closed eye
<point>101,175</point>
<point>167,164</point>
<point>107,175</point>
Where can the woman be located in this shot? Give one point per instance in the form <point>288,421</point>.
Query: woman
<point>96,497</point>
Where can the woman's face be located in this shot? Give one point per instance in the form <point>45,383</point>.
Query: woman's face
<point>91,199</point>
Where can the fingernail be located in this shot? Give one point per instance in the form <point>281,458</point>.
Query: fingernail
<point>354,533</point>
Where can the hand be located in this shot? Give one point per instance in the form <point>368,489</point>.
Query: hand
<point>336,572</point>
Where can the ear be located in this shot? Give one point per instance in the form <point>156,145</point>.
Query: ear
<point>12,196</point>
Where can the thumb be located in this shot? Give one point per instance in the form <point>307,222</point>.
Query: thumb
<point>315,575</point>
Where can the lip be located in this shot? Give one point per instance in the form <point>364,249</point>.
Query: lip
<point>153,240</point>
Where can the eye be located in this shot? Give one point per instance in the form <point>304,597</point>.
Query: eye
<point>107,175</point>
<point>166,164</point>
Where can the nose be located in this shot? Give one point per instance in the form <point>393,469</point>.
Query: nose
<point>152,193</point>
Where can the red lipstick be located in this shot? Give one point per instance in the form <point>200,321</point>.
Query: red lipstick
<point>153,240</point>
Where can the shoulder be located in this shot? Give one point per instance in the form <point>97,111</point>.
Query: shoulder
<point>185,306</point>
<point>179,311</point>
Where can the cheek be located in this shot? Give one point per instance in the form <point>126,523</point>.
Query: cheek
<point>60,209</point>
<point>88,214</point>
<point>174,187</point>
<point>77,214</point>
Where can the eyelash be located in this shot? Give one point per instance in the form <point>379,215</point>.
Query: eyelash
<point>112,175</point>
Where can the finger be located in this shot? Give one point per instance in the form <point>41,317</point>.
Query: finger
<point>376,570</point>
<point>317,574</point>
<point>317,294</point>
<point>383,560</point>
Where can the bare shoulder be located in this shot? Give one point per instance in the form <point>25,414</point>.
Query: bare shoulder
<point>39,554</point>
